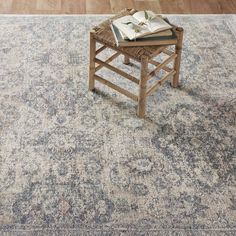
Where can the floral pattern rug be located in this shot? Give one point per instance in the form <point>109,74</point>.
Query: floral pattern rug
<point>73,162</point>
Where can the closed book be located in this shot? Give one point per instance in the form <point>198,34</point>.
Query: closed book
<point>144,41</point>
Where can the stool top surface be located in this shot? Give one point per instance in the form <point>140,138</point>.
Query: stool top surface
<point>103,34</point>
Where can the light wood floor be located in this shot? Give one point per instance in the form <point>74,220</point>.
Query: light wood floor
<point>112,6</point>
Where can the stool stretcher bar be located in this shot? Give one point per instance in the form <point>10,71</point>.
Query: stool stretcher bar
<point>163,64</point>
<point>108,60</point>
<point>156,63</point>
<point>118,71</point>
<point>115,87</point>
<point>168,52</point>
<point>100,49</point>
<point>160,82</point>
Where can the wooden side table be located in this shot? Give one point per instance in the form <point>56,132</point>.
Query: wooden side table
<point>103,35</point>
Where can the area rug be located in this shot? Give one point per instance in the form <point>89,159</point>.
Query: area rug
<point>73,162</point>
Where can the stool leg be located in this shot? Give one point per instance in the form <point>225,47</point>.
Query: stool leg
<point>91,62</point>
<point>142,88</point>
<point>126,60</point>
<point>178,50</point>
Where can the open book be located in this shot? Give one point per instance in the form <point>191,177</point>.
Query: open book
<point>161,38</point>
<point>141,23</point>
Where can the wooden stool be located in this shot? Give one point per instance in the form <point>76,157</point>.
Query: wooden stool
<point>103,35</point>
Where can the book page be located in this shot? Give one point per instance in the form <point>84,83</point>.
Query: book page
<point>140,15</point>
<point>158,24</point>
<point>129,29</point>
<point>123,35</point>
<point>154,23</point>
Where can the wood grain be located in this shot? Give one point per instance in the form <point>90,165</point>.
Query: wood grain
<point>73,6</point>
<point>6,6</point>
<point>151,5</point>
<point>92,51</point>
<point>98,6</point>
<point>23,6</point>
<point>142,88</point>
<point>117,6</point>
<point>49,5</point>
<point>113,6</point>
<point>178,51</point>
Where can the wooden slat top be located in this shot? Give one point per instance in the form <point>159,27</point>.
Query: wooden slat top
<point>103,34</point>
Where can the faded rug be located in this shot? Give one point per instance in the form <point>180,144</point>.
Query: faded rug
<point>73,162</point>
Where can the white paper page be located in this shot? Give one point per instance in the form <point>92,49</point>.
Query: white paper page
<point>128,29</point>
<point>140,15</point>
<point>156,24</point>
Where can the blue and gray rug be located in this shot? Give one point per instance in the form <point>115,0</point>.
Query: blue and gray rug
<point>74,162</point>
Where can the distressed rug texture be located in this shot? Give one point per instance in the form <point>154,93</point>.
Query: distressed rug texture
<point>73,162</point>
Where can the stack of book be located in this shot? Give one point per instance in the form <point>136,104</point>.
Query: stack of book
<point>143,28</point>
